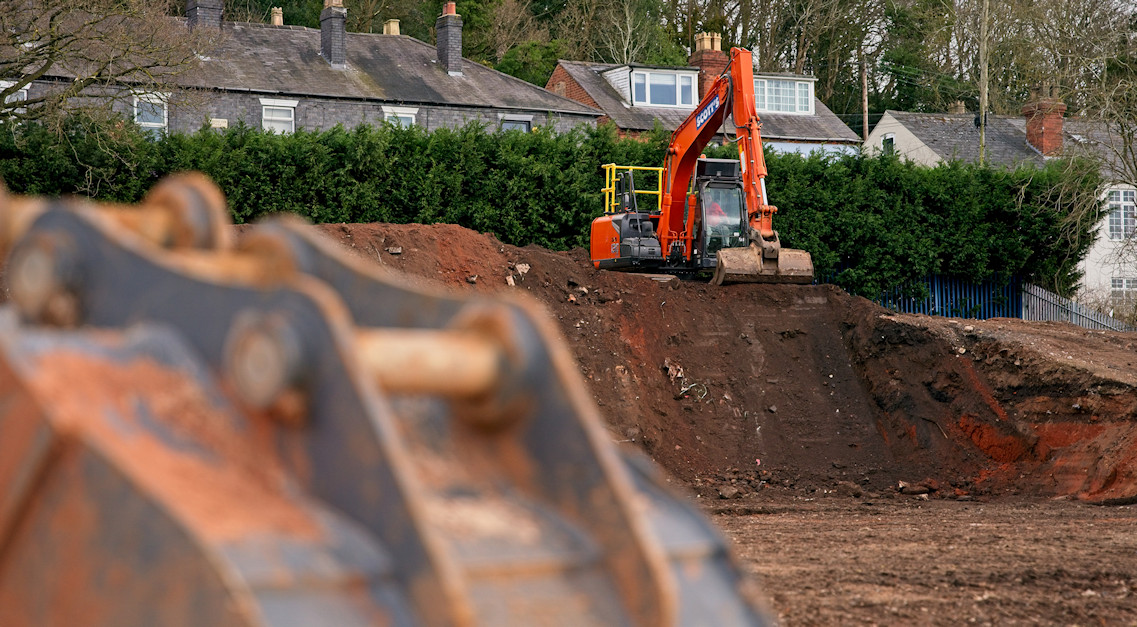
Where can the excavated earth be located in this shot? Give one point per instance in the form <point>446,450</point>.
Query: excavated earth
<point>871,467</point>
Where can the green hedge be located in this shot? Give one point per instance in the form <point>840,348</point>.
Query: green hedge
<point>871,222</point>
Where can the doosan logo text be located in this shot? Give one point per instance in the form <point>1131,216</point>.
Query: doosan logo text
<point>707,112</point>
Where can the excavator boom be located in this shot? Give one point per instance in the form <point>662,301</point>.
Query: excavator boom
<point>681,218</point>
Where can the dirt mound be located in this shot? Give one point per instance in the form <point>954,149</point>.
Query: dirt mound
<point>740,387</point>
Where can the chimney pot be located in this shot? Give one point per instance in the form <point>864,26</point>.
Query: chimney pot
<point>709,58</point>
<point>205,13</point>
<point>277,16</point>
<point>391,27</point>
<point>333,33</point>
<point>957,107</point>
<point>450,8</point>
<point>448,28</point>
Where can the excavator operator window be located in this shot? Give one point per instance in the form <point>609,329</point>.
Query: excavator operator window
<point>723,218</point>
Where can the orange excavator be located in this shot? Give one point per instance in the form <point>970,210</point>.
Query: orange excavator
<point>712,215</point>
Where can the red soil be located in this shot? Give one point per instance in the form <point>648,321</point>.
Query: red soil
<point>806,386</point>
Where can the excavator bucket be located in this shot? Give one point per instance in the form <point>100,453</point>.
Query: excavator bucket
<point>751,265</point>
<point>278,433</point>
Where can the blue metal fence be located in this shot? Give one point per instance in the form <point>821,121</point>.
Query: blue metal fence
<point>957,298</point>
<point>960,299</point>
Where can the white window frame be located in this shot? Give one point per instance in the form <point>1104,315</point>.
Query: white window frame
<point>21,95</point>
<point>400,112</point>
<point>890,139</point>
<point>1121,220</point>
<point>277,103</point>
<point>503,118</point>
<point>154,98</point>
<point>1123,292</point>
<point>691,77</point>
<point>801,97</point>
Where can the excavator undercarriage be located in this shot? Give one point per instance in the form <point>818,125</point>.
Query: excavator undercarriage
<point>196,432</point>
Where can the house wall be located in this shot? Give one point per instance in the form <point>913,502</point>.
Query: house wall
<point>1105,260</point>
<point>620,78</point>
<point>907,145</point>
<point>189,111</point>
<point>806,148</point>
<point>563,84</point>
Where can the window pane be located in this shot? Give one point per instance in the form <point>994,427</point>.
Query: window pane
<point>278,119</point>
<point>1114,220</point>
<point>278,113</point>
<point>803,97</point>
<point>277,126</point>
<point>686,90</point>
<point>888,144</point>
<point>760,95</point>
<point>639,81</point>
<point>662,89</point>
<point>781,95</point>
<point>1115,196</point>
<point>401,119</point>
<point>1128,196</point>
<point>150,113</point>
<point>515,125</point>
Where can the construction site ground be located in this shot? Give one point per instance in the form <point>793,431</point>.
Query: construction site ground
<point>871,468</point>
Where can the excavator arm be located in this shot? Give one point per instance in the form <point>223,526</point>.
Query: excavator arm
<point>733,90</point>
<point>763,260</point>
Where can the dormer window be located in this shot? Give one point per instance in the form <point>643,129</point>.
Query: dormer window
<point>663,89</point>
<point>783,95</point>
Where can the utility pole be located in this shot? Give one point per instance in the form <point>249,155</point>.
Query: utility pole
<point>864,96</point>
<point>983,85</point>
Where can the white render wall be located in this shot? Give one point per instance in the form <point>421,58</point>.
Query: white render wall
<point>1106,259</point>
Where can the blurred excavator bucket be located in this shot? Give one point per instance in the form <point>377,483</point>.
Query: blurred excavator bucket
<point>277,433</point>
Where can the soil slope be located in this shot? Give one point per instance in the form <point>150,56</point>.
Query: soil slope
<point>742,387</point>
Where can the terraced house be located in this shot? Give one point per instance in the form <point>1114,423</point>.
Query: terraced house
<point>637,97</point>
<point>285,78</point>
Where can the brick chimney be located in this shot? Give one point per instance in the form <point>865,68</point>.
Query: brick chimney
<point>333,33</point>
<point>204,13</point>
<point>391,27</point>
<point>277,16</point>
<point>448,28</point>
<point>709,58</point>
<point>1044,121</point>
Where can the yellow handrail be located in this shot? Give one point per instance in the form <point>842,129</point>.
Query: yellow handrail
<point>611,170</point>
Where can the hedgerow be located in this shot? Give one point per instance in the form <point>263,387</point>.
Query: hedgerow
<point>872,222</point>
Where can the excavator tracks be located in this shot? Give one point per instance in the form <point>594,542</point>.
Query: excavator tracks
<point>275,432</point>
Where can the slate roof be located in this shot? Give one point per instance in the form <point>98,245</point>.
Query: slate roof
<point>954,136</point>
<point>823,126</point>
<point>285,60</point>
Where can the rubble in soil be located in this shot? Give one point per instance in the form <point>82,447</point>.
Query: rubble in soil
<point>745,388</point>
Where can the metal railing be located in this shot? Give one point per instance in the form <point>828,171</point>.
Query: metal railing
<point>612,171</point>
<point>958,298</point>
<point>1039,304</point>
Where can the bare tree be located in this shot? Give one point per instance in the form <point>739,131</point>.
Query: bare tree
<point>86,53</point>
<point>512,24</point>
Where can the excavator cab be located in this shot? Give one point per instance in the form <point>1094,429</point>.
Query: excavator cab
<point>722,207</point>
<point>724,220</point>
